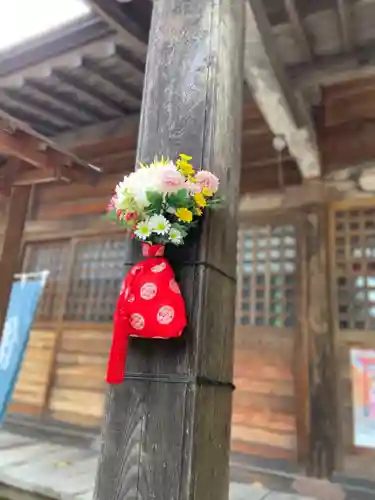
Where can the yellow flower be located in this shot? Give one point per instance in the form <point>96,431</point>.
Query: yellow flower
<point>200,200</point>
<point>207,192</point>
<point>184,214</point>
<point>198,211</point>
<point>185,157</point>
<point>160,162</point>
<point>185,168</point>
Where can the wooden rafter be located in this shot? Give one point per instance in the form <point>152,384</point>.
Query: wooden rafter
<point>26,151</point>
<point>100,132</point>
<point>111,12</point>
<point>284,110</point>
<point>345,24</point>
<point>298,29</point>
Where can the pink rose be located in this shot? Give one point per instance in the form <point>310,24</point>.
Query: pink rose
<point>112,203</point>
<point>171,180</point>
<point>207,180</point>
<point>193,187</point>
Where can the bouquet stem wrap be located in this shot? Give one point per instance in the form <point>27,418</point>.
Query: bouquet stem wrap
<point>150,305</point>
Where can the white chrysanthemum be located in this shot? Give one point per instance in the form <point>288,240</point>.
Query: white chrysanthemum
<point>136,185</point>
<point>175,236</point>
<point>162,163</point>
<point>158,177</point>
<point>142,230</point>
<point>159,224</point>
<point>122,194</point>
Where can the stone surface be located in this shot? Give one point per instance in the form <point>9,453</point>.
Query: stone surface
<point>65,472</point>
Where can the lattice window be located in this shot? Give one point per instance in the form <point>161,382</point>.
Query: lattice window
<point>98,271</point>
<point>267,276</point>
<point>355,268</point>
<point>52,256</point>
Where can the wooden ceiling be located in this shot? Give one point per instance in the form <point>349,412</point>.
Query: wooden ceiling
<point>345,127</point>
<point>312,41</point>
<point>345,123</point>
<point>262,168</point>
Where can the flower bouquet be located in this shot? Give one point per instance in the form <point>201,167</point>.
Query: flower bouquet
<point>158,204</point>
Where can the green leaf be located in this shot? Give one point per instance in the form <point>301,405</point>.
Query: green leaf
<point>215,203</point>
<point>180,227</point>
<point>156,201</point>
<point>111,215</point>
<point>179,199</point>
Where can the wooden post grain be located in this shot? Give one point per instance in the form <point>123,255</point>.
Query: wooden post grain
<point>9,258</point>
<point>322,373</point>
<point>167,427</point>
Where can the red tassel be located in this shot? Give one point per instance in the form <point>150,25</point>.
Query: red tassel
<point>119,348</point>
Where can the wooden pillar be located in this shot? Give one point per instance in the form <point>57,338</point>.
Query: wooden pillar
<point>9,258</point>
<point>322,373</point>
<point>167,427</point>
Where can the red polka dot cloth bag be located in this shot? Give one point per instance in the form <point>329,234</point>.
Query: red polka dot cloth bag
<point>150,305</point>
<point>158,204</point>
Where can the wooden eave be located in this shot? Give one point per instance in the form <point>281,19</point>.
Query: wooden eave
<point>30,158</point>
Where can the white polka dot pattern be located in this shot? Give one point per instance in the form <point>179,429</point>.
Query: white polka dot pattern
<point>135,269</point>
<point>137,321</point>
<point>174,286</point>
<point>159,268</point>
<point>148,291</point>
<point>165,315</point>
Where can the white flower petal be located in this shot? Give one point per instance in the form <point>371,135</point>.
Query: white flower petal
<point>159,224</point>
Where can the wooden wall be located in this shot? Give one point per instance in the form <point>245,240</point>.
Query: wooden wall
<point>63,374</point>
<point>31,389</point>
<point>352,231</point>
<point>78,387</point>
<point>64,368</point>
<point>264,414</point>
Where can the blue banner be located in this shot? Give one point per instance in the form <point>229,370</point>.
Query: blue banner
<point>22,307</point>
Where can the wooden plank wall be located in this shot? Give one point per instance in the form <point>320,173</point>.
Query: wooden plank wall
<point>69,202</point>
<point>78,390</point>
<point>264,413</point>
<point>30,392</point>
<point>65,365</point>
<point>73,389</point>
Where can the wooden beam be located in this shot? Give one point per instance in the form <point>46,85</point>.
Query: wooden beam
<point>283,110</point>
<point>83,136</point>
<point>31,177</point>
<point>266,162</point>
<point>33,151</point>
<point>347,145</point>
<point>298,29</point>
<point>19,140</point>
<point>10,252</point>
<point>24,148</point>
<point>69,228</point>
<point>346,25</point>
<point>9,172</point>
<point>167,430</point>
<point>111,12</point>
<point>332,69</point>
